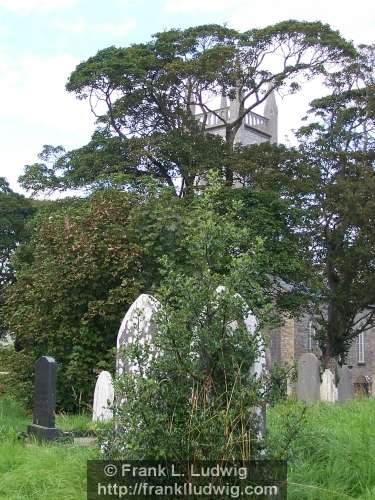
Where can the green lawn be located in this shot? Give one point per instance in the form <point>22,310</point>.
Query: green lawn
<point>30,471</point>
<point>332,456</point>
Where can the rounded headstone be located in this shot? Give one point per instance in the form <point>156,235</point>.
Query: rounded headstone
<point>138,324</point>
<point>103,398</point>
<point>328,390</point>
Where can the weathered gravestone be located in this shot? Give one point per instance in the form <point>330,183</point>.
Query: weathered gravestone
<point>345,386</point>
<point>328,390</point>
<point>259,367</point>
<point>43,426</point>
<point>137,325</point>
<point>103,398</point>
<point>308,384</point>
<point>362,386</point>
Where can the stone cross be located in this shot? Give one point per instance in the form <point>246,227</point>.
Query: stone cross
<point>43,425</point>
<point>308,384</point>
<point>103,398</point>
<point>328,390</point>
<point>345,386</point>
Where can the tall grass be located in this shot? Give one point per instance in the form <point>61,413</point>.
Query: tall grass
<point>333,454</point>
<point>32,471</point>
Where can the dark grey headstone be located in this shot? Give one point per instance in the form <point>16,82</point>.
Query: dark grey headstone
<point>345,386</point>
<point>45,392</point>
<point>43,426</point>
<point>308,385</point>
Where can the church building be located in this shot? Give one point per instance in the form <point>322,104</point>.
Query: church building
<point>296,336</point>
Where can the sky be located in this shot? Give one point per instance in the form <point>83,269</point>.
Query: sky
<point>42,41</point>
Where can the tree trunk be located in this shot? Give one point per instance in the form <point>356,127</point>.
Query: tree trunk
<point>230,135</point>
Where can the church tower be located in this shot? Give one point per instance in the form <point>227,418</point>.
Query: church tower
<point>271,114</point>
<point>254,129</point>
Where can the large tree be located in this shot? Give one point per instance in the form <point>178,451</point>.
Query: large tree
<point>146,98</point>
<point>15,210</point>
<point>330,180</point>
<point>341,214</point>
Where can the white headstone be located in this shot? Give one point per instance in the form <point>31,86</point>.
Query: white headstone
<point>138,324</point>
<point>258,369</point>
<point>103,398</point>
<point>251,323</point>
<point>328,390</point>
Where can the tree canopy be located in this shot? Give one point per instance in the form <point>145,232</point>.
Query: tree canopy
<point>15,210</point>
<point>330,180</point>
<point>147,98</point>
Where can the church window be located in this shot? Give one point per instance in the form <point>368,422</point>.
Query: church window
<point>361,348</point>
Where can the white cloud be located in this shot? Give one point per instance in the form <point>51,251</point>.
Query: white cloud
<point>72,27</point>
<point>196,5</point>
<point>115,29</point>
<point>353,23</point>
<point>32,88</point>
<point>31,5</point>
<point>35,109</point>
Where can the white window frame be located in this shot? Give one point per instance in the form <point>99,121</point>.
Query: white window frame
<point>310,335</point>
<point>361,348</point>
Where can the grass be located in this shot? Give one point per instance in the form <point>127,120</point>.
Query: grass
<point>31,471</point>
<point>332,456</point>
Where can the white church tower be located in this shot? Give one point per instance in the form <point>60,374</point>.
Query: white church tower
<point>254,129</point>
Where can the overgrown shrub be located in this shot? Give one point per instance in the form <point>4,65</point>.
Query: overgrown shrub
<point>196,398</point>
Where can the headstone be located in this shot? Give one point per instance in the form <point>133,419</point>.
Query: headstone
<point>308,384</point>
<point>103,398</point>
<point>258,369</point>
<point>138,324</point>
<point>362,386</point>
<point>260,364</point>
<point>328,391</point>
<point>345,386</point>
<point>43,426</point>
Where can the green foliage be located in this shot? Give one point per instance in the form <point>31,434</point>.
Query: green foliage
<point>152,92</point>
<point>15,210</point>
<point>196,398</point>
<point>89,259</point>
<point>75,279</point>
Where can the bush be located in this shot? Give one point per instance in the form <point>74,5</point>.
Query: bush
<point>75,279</point>
<point>196,398</point>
